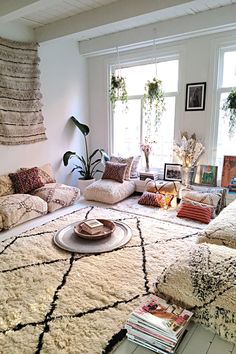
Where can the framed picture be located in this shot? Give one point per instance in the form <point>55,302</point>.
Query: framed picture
<point>195,96</point>
<point>172,172</point>
<point>228,172</point>
<point>206,175</point>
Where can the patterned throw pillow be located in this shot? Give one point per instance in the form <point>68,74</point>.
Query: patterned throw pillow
<point>196,211</point>
<point>114,171</point>
<point>128,161</point>
<point>204,198</point>
<point>26,181</point>
<point>156,199</point>
<point>163,187</point>
<point>135,166</point>
<point>46,174</point>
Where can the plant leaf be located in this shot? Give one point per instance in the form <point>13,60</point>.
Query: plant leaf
<point>82,127</point>
<point>67,155</point>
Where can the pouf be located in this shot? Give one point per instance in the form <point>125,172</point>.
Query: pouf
<point>18,208</point>
<point>109,191</point>
<point>203,280</point>
<point>57,195</point>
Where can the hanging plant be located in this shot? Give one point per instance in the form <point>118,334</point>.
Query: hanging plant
<point>230,108</point>
<point>153,101</point>
<point>118,90</point>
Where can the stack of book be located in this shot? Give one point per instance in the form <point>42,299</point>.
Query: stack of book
<point>157,325</point>
<point>145,175</point>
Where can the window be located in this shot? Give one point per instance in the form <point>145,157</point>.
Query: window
<point>129,125</point>
<point>226,82</point>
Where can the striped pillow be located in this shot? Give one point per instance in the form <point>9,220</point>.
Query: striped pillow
<point>195,211</point>
<point>156,199</point>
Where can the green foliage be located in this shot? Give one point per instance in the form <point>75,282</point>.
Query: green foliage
<point>87,166</point>
<point>230,108</point>
<point>118,90</point>
<point>153,101</point>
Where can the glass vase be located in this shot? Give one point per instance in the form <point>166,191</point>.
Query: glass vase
<point>187,175</point>
<point>147,167</point>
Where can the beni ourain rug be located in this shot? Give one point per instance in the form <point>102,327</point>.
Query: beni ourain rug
<point>54,301</point>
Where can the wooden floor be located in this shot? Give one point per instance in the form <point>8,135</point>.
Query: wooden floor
<point>197,340</point>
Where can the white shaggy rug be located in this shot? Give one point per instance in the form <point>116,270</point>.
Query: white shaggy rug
<point>53,301</point>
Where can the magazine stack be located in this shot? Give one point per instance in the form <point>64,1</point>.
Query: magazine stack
<point>157,325</point>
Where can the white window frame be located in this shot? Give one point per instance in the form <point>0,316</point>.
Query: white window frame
<point>131,63</point>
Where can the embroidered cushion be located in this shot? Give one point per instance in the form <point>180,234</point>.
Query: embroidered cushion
<point>156,199</point>
<point>18,208</point>
<point>128,161</point>
<point>222,230</point>
<point>45,173</point>
<point>196,211</point>
<point>114,171</point>
<point>135,166</point>
<point>26,181</point>
<point>57,195</point>
<point>163,187</point>
<point>6,186</point>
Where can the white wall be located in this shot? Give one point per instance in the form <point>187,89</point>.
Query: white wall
<point>198,63</point>
<point>64,89</point>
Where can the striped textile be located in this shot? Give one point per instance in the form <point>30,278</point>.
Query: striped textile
<point>195,211</point>
<point>21,119</point>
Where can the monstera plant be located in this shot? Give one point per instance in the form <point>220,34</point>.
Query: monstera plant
<point>87,165</point>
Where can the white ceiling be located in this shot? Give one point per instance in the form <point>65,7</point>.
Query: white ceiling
<point>92,18</point>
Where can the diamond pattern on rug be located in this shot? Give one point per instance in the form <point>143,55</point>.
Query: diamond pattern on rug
<point>65,302</point>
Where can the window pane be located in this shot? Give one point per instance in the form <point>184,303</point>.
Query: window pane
<point>229,71</point>
<point>137,76</point>
<point>225,145</point>
<point>163,149</point>
<point>127,127</point>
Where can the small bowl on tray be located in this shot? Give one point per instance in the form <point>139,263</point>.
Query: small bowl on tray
<point>108,228</point>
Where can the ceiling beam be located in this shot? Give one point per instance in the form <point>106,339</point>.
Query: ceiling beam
<point>13,9</point>
<point>207,22</point>
<point>108,15</point>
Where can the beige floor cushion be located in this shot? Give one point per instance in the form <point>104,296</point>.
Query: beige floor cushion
<point>222,230</point>
<point>109,191</point>
<point>203,280</point>
<point>18,208</point>
<point>57,195</point>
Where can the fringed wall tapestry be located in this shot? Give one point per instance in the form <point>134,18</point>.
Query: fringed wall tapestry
<point>21,119</point>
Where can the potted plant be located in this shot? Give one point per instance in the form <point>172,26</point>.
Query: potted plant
<point>153,101</point>
<point>88,164</point>
<point>230,108</point>
<point>118,90</point>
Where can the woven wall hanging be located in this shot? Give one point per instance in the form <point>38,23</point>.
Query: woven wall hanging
<point>21,119</point>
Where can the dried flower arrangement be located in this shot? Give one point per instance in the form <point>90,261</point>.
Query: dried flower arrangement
<point>189,150</point>
<point>146,148</point>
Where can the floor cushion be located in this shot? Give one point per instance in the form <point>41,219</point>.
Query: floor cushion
<point>18,208</point>
<point>202,279</point>
<point>221,230</point>
<point>57,195</point>
<point>109,191</point>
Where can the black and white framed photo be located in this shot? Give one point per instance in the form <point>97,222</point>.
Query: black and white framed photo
<point>172,172</point>
<point>195,96</point>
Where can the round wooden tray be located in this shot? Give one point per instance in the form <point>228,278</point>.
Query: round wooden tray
<point>69,241</point>
<point>108,228</point>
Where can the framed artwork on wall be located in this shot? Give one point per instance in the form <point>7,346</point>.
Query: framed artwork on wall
<point>195,96</point>
<point>229,171</point>
<point>206,175</point>
<point>172,172</point>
